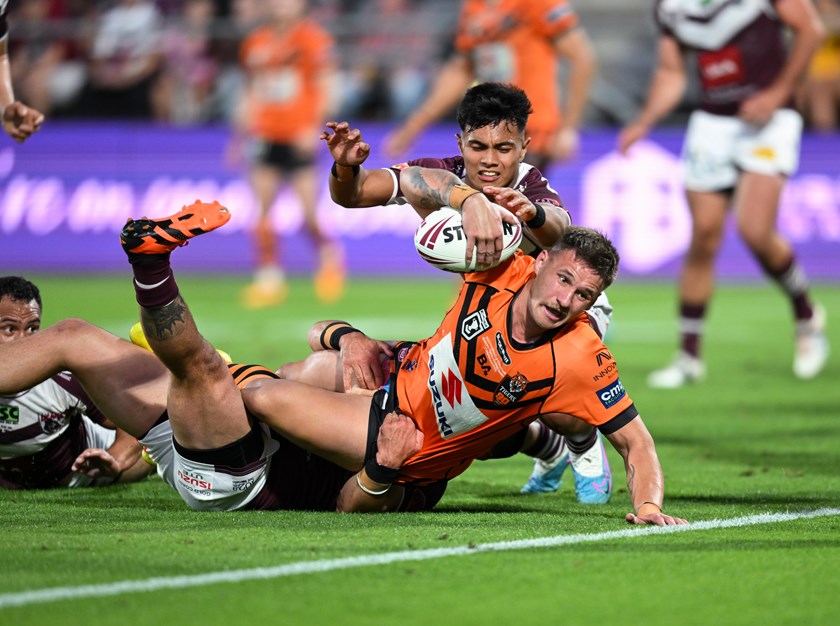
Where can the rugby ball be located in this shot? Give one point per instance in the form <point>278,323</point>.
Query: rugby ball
<point>440,241</point>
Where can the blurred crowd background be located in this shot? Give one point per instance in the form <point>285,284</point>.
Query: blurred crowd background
<point>176,61</point>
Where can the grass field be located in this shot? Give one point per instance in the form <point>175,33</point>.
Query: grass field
<point>750,441</point>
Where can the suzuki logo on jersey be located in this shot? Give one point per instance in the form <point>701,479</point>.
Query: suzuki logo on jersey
<point>611,394</point>
<point>511,389</point>
<point>502,349</point>
<point>454,410</point>
<point>474,324</point>
<point>452,386</point>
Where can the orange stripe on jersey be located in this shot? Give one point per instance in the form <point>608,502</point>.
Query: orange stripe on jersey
<point>244,374</point>
<point>513,41</point>
<point>472,385</point>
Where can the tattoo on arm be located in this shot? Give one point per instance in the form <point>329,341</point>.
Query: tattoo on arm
<point>631,475</point>
<point>161,322</point>
<point>433,187</point>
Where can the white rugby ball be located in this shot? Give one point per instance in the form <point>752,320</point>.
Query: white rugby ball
<point>441,242</point>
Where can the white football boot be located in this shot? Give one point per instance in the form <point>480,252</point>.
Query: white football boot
<point>683,370</point>
<point>812,347</point>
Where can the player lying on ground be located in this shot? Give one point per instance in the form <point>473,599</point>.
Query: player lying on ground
<point>189,413</point>
<point>51,433</point>
<point>488,181</point>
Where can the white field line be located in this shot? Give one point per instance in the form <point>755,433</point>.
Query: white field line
<point>40,596</point>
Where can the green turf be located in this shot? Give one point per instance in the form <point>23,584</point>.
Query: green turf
<point>750,440</point>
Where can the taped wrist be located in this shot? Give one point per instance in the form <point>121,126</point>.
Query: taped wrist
<point>379,473</point>
<point>332,334</point>
<point>459,194</point>
<point>538,220</point>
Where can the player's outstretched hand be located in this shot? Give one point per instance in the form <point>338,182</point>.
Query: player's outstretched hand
<point>20,121</point>
<point>398,440</point>
<point>361,361</point>
<point>345,144</point>
<point>656,518</point>
<point>482,223</point>
<point>97,463</point>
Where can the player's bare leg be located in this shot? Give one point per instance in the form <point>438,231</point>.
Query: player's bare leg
<point>756,208</point>
<point>269,286</point>
<point>708,214</point>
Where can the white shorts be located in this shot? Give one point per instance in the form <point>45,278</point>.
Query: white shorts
<point>206,487</point>
<point>718,148</point>
<point>96,436</point>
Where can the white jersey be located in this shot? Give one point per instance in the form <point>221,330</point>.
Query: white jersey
<point>42,431</point>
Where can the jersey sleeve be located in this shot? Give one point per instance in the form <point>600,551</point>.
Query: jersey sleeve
<point>551,18</point>
<point>588,385</point>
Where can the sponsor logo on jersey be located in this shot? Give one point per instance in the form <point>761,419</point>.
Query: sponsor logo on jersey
<point>611,394</point>
<point>9,414</point>
<point>483,361</point>
<point>602,357</point>
<point>511,389</point>
<point>502,349</point>
<point>51,423</point>
<point>193,479</point>
<point>765,152</point>
<point>409,366</point>
<point>454,410</point>
<point>242,485</point>
<point>474,324</point>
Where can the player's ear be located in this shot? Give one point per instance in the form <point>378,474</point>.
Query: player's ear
<point>460,143</point>
<point>524,149</point>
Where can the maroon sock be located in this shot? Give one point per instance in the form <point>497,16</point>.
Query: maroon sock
<point>547,446</point>
<point>791,278</point>
<point>692,317</point>
<point>154,283</point>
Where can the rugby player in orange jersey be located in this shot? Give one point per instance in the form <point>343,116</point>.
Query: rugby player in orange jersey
<point>519,42</point>
<point>289,66</point>
<point>488,180</point>
<point>516,346</point>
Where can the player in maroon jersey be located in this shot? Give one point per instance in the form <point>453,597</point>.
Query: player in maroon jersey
<point>740,148</point>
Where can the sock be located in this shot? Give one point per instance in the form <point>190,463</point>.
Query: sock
<point>581,442</point>
<point>154,283</point>
<point>548,445</point>
<point>793,281</point>
<point>692,317</point>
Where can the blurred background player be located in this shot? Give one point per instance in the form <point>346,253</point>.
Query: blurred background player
<point>52,435</point>
<point>739,149</point>
<point>289,68</point>
<point>19,120</point>
<point>519,42</point>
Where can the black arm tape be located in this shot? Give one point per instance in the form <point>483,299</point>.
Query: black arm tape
<point>324,344</point>
<point>538,220</point>
<point>356,169</point>
<point>339,333</point>
<point>379,473</point>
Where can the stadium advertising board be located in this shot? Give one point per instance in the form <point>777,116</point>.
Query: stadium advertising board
<point>65,194</point>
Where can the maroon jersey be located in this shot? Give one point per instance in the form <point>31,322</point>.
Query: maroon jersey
<point>739,46</point>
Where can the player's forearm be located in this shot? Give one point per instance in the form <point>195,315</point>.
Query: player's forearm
<point>452,81</point>
<point>126,451</point>
<point>808,38</point>
<point>582,71</point>
<point>666,92</point>
<point>7,92</point>
<point>352,499</point>
<point>554,222</point>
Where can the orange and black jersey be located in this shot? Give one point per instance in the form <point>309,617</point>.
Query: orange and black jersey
<point>472,385</point>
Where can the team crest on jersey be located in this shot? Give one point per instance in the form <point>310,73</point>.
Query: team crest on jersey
<point>510,390</point>
<point>501,348</point>
<point>474,324</point>
<point>52,422</point>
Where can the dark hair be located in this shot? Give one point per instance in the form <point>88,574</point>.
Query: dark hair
<point>491,104</point>
<point>593,248</point>
<point>19,289</point>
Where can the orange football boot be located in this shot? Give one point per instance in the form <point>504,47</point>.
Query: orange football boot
<point>160,236</point>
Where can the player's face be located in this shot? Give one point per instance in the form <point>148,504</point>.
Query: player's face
<point>563,288</point>
<point>492,154</point>
<point>18,319</point>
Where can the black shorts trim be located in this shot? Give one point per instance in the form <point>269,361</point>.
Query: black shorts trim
<point>284,157</point>
<point>237,455</point>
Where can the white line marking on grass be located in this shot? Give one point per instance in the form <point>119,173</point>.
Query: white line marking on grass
<point>40,596</point>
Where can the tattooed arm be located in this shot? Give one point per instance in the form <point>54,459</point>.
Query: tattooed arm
<point>429,189</point>
<point>644,474</point>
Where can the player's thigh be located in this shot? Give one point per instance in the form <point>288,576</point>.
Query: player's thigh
<point>206,409</point>
<point>708,215</point>
<point>334,425</point>
<point>319,369</point>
